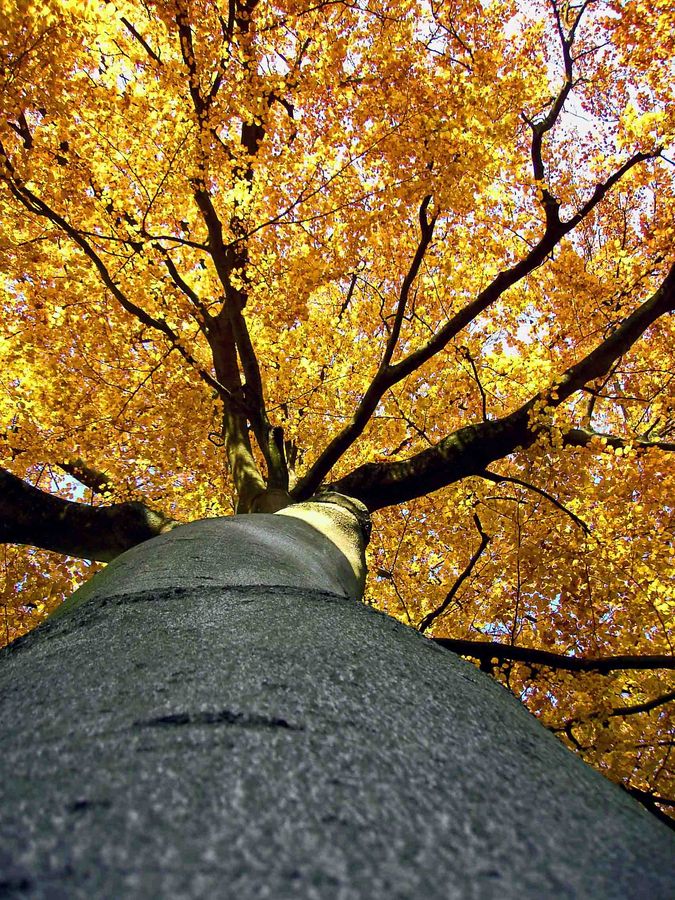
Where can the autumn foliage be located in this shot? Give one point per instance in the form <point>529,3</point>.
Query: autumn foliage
<point>418,251</point>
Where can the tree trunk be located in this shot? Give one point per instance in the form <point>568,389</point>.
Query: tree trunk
<point>216,715</point>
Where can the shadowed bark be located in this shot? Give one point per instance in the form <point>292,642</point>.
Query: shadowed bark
<point>256,727</point>
<point>31,516</point>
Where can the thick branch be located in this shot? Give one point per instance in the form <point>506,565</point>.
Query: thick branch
<point>554,231</point>
<point>228,334</point>
<point>34,517</point>
<point>489,650</point>
<point>582,437</point>
<point>227,261</point>
<point>600,360</point>
<point>646,797</point>
<point>470,450</point>
<point>97,482</point>
<point>246,475</point>
<point>380,383</point>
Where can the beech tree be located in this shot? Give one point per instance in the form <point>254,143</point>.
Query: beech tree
<point>417,253</point>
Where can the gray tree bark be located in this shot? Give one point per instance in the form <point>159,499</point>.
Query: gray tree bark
<point>216,715</point>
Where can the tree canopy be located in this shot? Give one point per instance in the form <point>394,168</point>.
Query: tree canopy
<point>416,252</point>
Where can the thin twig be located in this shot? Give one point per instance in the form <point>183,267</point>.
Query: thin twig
<point>497,479</point>
<point>431,617</point>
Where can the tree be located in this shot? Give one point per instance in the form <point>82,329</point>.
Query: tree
<point>418,254</point>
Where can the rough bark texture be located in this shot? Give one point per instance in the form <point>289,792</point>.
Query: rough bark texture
<point>216,716</point>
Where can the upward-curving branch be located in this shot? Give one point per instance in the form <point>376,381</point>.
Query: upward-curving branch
<point>469,450</point>
<point>390,374</point>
